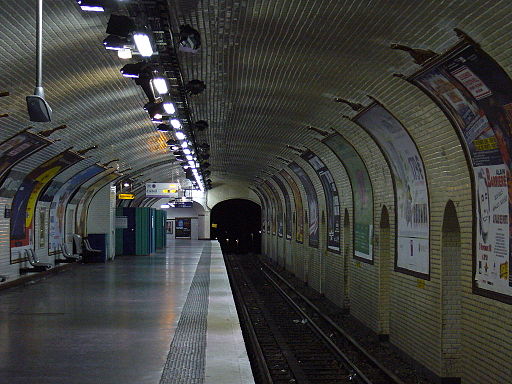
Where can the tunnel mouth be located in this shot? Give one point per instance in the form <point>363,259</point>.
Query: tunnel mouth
<point>235,223</point>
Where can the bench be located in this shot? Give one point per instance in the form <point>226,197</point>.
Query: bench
<point>68,257</point>
<point>35,262</point>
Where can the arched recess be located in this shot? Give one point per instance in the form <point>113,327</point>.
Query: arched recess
<point>347,238</point>
<point>451,292</point>
<point>386,265</point>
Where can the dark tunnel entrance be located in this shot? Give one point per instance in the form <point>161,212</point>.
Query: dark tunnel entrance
<point>236,224</point>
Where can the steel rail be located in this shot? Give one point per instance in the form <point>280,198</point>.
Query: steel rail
<point>257,351</point>
<point>395,379</point>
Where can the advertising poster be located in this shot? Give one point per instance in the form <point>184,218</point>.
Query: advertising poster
<point>24,202</point>
<point>272,207</point>
<point>110,175</point>
<point>287,205</point>
<point>362,195</point>
<point>410,186</point>
<point>312,198</point>
<point>267,209</point>
<point>476,94</point>
<point>60,202</point>
<point>331,199</point>
<point>279,208</point>
<point>17,148</point>
<point>263,208</point>
<point>299,210</point>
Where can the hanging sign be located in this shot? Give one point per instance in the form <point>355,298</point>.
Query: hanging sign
<point>126,196</point>
<point>162,189</point>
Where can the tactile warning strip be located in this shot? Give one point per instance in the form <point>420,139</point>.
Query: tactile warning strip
<point>186,359</point>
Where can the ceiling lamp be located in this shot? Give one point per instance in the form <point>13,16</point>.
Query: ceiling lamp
<point>143,44</point>
<point>134,70</point>
<point>124,54</point>
<point>195,87</point>
<point>169,109</point>
<point>95,5</point>
<point>163,128</point>
<point>180,135</point>
<point>116,43</point>
<point>190,39</point>
<point>160,85</point>
<point>176,124</point>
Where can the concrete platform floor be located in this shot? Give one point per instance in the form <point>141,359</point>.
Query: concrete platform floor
<point>124,321</point>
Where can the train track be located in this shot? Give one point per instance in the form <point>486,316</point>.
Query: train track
<point>290,341</point>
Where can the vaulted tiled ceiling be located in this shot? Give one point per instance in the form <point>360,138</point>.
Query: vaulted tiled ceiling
<point>271,69</point>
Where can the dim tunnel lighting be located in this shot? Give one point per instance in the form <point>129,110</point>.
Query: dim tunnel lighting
<point>176,124</point>
<point>160,85</point>
<point>143,44</point>
<point>124,54</point>
<point>91,5</point>
<point>180,135</point>
<point>170,110</point>
<point>115,43</point>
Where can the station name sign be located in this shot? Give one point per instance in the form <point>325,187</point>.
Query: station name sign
<point>162,189</point>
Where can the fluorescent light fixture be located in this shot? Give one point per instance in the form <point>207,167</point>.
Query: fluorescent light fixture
<point>186,151</point>
<point>160,85</point>
<point>192,164</point>
<point>189,157</point>
<point>124,54</point>
<point>169,109</point>
<point>133,70</point>
<point>176,123</point>
<point>165,206</point>
<point>126,184</point>
<point>184,144</point>
<point>198,165</point>
<point>157,118</point>
<point>163,128</point>
<point>180,135</point>
<point>92,8</point>
<point>143,44</point>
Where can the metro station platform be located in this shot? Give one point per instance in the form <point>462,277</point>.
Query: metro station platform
<point>164,318</point>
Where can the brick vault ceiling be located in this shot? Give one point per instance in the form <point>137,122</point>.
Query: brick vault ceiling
<point>271,69</point>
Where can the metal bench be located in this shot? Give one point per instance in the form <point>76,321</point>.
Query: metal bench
<point>68,257</point>
<point>35,262</point>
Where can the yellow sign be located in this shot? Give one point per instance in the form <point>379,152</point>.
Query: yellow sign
<point>169,191</point>
<point>125,196</point>
<point>214,225</point>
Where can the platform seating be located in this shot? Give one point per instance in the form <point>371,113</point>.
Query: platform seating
<point>35,262</point>
<point>89,253</point>
<point>68,257</point>
<point>2,278</point>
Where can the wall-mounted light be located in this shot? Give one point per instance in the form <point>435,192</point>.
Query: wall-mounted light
<point>143,44</point>
<point>133,70</point>
<point>94,5</point>
<point>163,128</point>
<point>176,124</point>
<point>160,85</point>
<point>169,109</point>
<point>124,54</point>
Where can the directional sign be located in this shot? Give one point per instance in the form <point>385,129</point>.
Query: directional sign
<point>125,196</point>
<point>162,189</point>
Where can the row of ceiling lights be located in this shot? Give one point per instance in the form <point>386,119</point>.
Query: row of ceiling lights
<point>125,38</point>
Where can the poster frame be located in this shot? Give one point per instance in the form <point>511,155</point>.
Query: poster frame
<point>358,258</point>
<point>325,214</point>
<point>279,207</point>
<point>419,275</point>
<point>26,130</point>
<point>296,210</point>
<point>463,43</point>
<point>286,196</point>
